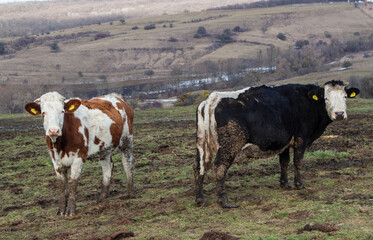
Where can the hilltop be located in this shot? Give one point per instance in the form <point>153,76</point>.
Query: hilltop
<point>167,48</point>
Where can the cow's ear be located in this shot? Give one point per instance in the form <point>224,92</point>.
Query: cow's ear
<point>352,92</point>
<point>316,95</point>
<point>33,108</point>
<point>72,105</point>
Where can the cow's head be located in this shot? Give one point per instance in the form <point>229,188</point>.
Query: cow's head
<point>53,107</point>
<point>334,93</point>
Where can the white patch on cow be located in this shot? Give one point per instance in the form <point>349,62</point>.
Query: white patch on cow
<point>98,125</point>
<point>52,108</point>
<point>207,139</point>
<point>107,167</point>
<point>335,101</point>
<point>76,168</point>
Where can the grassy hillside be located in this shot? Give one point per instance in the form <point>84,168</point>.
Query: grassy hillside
<point>337,170</point>
<point>127,54</point>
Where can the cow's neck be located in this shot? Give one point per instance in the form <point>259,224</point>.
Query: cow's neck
<point>71,140</point>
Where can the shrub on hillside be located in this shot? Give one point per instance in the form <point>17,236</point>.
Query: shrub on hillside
<point>201,32</point>
<point>237,29</point>
<point>281,36</point>
<point>135,28</point>
<point>149,27</point>
<point>327,34</point>
<point>189,98</point>
<point>301,43</point>
<point>346,64</point>
<point>2,48</point>
<point>23,42</point>
<point>225,37</point>
<point>149,72</point>
<point>102,35</point>
<point>54,47</point>
<point>172,39</point>
<point>102,78</point>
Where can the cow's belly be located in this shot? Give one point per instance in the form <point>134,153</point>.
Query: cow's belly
<point>253,151</point>
<point>62,160</point>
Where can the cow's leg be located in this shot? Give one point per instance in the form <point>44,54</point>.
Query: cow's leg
<point>298,157</point>
<point>107,169</point>
<point>76,170</point>
<point>221,167</point>
<point>284,162</point>
<point>127,161</point>
<point>198,180</point>
<point>63,193</point>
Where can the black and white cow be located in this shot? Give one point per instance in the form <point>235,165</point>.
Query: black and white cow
<point>263,121</point>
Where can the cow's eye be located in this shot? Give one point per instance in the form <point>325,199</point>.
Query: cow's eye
<point>62,111</point>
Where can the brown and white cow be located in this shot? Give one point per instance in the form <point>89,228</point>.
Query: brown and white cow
<point>77,130</point>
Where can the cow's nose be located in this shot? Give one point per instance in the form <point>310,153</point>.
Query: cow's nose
<point>339,115</point>
<point>54,132</point>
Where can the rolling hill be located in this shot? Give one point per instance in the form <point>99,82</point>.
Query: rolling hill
<point>120,54</point>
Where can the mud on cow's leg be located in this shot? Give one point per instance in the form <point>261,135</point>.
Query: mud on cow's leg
<point>198,181</point>
<point>76,170</point>
<point>298,157</point>
<point>63,191</point>
<point>127,161</point>
<point>284,163</point>
<point>107,169</point>
<point>221,167</point>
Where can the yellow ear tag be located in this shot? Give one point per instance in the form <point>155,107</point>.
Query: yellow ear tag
<point>315,97</point>
<point>71,107</point>
<point>33,111</point>
<point>353,94</point>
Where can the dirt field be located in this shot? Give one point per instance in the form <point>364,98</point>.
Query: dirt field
<point>338,170</point>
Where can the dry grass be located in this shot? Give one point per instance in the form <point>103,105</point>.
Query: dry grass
<point>77,9</point>
<point>134,51</point>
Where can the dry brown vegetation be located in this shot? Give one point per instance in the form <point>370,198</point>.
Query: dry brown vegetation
<point>116,55</point>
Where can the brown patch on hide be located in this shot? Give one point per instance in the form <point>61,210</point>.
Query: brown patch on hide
<point>107,108</point>
<point>97,140</point>
<point>122,104</point>
<point>71,140</point>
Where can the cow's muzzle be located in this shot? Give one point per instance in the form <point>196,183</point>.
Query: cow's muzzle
<point>339,116</point>
<point>53,132</point>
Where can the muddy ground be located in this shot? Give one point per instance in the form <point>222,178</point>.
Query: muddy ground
<point>337,170</point>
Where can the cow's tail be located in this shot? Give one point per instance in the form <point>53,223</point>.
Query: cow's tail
<point>202,138</point>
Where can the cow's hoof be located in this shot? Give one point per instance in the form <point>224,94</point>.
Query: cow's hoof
<point>224,203</point>
<point>60,212</point>
<point>300,186</point>
<point>285,185</point>
<point>70,212</point>
<point>201,202</point>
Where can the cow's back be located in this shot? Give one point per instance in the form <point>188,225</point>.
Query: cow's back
<point>108,120</point>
